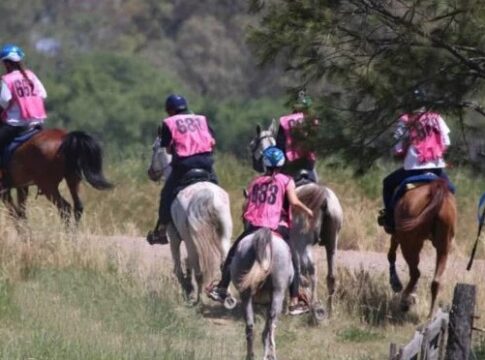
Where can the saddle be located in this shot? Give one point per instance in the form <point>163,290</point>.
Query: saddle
<point>413,182</point>
<point>194,176</point>
<point>303,177</point>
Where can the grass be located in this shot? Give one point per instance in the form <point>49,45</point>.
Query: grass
<point>73,295</point>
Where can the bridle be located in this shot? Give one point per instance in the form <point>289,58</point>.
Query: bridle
<point>256,145</point>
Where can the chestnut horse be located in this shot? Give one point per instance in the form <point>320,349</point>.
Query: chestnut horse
<point>45,160</point>
<point>426,212</point>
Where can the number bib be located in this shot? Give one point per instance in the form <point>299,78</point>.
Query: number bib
<point>265,201</point>
<point>292,152</point>
<point>190,134</point>
<point>25,95</point>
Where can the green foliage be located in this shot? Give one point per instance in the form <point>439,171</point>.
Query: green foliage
<point>363,59</point>
<point>121,99</point>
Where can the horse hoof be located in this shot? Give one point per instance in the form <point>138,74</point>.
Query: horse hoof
<point>319,313</point>
<point>396,286</point>
<point>408,302</point>
<point>229,302</point>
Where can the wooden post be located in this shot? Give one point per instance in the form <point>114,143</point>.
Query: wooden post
<point>461,322</point>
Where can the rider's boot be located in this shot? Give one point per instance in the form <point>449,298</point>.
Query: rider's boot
<point>158,236</point>
<point>385,220</point>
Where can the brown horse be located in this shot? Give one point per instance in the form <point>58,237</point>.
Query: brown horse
<point>426,212</point>
<point>45,160</point>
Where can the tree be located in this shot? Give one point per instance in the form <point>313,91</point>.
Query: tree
<point>364,58</point>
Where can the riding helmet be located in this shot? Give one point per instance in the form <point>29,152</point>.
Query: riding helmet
<point>175,103</point>
<point>12,52</point>
<point>273,157</point>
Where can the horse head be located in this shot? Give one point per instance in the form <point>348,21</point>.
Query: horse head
<point>160,163</point>
<point>262,140</point>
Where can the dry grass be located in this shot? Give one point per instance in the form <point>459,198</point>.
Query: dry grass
<point>72,295</point>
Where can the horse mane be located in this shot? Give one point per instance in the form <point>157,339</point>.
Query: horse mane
<point>438,189</point>
<point>205,228</point>
<point>261,243</point>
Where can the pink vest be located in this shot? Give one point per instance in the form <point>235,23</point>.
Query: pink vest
<point>25,95</point>
<point>190,134</point>
<point>265,201</point>
<point>288,122</point>
<point>425,135</point>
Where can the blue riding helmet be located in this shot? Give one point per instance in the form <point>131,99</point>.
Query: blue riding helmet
<point>273,157</point>
<point>175,103</point>
<point>12,52</point>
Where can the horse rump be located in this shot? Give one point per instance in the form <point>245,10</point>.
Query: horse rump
<point>437,191</point>
<point>83,158</point>
<point>262,261</point>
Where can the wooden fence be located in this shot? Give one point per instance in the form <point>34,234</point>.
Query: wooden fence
<point>428,343</point>
<point>453,327</point>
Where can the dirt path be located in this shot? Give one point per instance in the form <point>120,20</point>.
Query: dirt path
<point>137,252</point>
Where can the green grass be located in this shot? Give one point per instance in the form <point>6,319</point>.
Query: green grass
<point>82,314</point>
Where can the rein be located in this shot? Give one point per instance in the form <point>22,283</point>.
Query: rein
<point>481,221</point>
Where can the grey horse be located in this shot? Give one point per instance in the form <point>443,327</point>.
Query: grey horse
<point>201,217</point>
<point>324,231</point>
<point>262,267</point>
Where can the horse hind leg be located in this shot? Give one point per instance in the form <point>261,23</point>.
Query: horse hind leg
<point>411,255</point>
<point>247,302</point>
<point>22,194</point>
<point>394,280</point>
<point>73,183</point>
<point>175,242</point>
<point>442,250</point>
<point>270,327</point>
<point>62,205</point>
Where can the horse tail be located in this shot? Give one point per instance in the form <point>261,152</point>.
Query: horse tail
<point>261,266</point>
<point>332,219</point>
<point>204,225</point>
<point>437,192</point>
<point>83,157</point>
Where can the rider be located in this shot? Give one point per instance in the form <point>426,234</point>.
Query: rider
<point>268,205</point>
<point>190,140</point>
<point>422,138</point>
<point>21,96</point>
<point>296,158</point>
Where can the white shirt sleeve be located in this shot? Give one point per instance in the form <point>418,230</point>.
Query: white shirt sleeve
<point>445,132</point>
<point>5,95</point>
<point>400,135</point>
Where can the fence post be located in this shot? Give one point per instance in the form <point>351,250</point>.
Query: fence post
<point>461,321</point>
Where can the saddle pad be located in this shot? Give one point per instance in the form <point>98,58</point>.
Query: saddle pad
<point>414,182</point>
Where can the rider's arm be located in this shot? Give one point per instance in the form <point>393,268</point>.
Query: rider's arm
<point>165,136</point>
<point>445,132</point>
<point>401,136</point>
<point>293,199</point>
<point>5,95</point>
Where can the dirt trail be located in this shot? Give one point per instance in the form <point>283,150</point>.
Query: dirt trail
<point>146,258</point>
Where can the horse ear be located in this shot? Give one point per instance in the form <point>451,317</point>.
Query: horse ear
<point>273,127</point>
<point>258,129</point>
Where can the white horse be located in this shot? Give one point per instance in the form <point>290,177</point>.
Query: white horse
<point>201,217</point>
<point>262,267</point>
<point>325,230</point>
